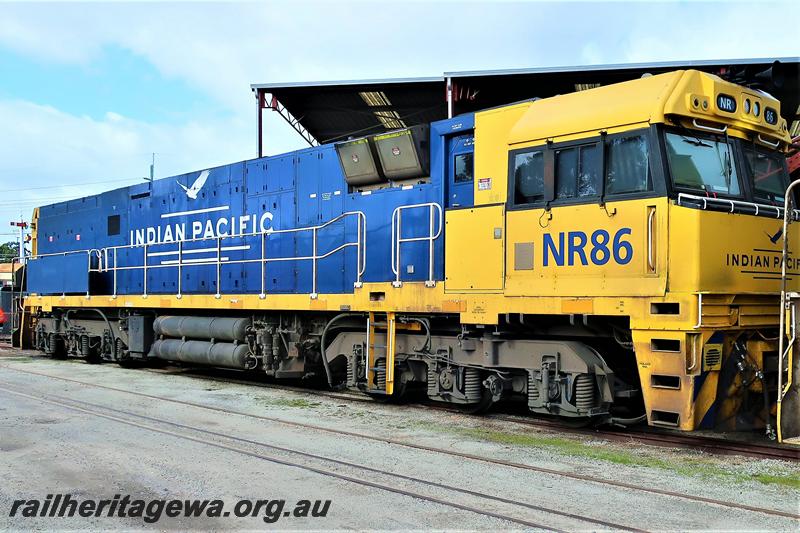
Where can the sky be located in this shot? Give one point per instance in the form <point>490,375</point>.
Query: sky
<point>89,91</point>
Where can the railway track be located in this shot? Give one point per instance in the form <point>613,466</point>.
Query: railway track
<point>643,435</point>
<point>460,455</point>
<point>125,417</point>
<point>655,437</point>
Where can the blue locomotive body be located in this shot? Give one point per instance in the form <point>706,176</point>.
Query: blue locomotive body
<point>129,240</point>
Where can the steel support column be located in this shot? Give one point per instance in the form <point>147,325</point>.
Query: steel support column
<point>260,120</point>
<point>449,97</point>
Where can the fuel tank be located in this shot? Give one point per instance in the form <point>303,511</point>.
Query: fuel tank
<point>196,327</point>
<point>219,354</point>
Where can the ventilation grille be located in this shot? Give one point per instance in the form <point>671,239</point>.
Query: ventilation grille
<point>712,357</point>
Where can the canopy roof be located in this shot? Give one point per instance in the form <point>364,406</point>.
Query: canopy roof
<point>329,111</point>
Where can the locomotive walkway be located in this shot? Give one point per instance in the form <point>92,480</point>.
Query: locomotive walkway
<point>107,429</point>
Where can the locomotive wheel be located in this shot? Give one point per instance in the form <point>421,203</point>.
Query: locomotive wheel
<point>398,396</point>
<point>572,422</point>
<point>484,405</point>
<point>55,347</point>
<point>119,355</point>
<point>579,423</point>
<point>84,349</point>
<point>380,382</point>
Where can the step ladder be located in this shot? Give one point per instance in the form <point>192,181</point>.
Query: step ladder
<point>789,381</point>
<point>788,404</point>
<point>381,337</point>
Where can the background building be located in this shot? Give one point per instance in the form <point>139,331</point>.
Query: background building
<point>7,271</point>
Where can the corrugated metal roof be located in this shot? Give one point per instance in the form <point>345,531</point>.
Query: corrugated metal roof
<point>375,81</point>
<point>334,110</point>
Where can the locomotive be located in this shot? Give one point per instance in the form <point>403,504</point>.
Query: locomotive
<point>611,255</point>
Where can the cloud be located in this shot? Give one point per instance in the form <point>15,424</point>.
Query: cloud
<point>592,54</point>
<point>222,48</point>
<point>72,41</point>
<point>46,151</point>
<point>711,31</point>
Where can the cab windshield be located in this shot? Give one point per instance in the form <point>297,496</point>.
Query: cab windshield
<point>767,173</point>
<point>702,164</point>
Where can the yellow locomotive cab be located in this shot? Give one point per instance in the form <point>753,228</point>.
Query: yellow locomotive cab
<point>692,262</point>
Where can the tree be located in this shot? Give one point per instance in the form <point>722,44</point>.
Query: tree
<point>9,251</point>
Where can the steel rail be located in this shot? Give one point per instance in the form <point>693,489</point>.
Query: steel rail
<point>489,460</point>
<point>92,410</point>
<point>654,437</point>
<point>709,444</point>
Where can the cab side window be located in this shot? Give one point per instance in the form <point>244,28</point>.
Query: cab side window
<point>577,172</point>
<point>566,173</point>
<point>582,171</point>
<point>627,165</point>
<point>463,168</point>
<point>528,177</point>
<point>767,175</point>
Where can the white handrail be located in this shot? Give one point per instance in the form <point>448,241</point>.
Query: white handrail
<point>770,144</point>
<point>397,238</point>
<point>699,311</point>
<point>87,251</point>
<point>89,254</point>
<point>105,266</point>
<point>733,203</point>
<point>650,232</point>
<point>699,126</point>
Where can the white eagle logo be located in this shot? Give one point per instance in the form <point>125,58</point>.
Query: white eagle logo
<point>193,191</point>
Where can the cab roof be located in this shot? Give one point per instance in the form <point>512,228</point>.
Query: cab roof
<point>678,95</point>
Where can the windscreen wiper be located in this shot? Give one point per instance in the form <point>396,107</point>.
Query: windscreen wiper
<point>728,168</point>
<point>696,142</point>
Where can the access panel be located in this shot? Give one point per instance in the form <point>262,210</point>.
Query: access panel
<point>474,249</point>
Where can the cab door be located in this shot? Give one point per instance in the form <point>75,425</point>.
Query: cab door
<point>460,170</point>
